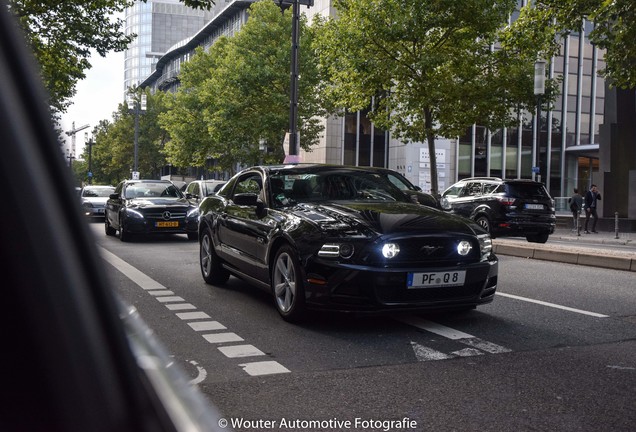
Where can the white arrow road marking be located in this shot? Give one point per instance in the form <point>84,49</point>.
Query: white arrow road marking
<point>202,375</point>
<point>423,353</point>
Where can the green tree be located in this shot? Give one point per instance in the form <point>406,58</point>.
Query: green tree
<point>433,67</point>
<point>614,31</point>
<point>113,147</point>
<point>62,35</point>
<point>239,92</point>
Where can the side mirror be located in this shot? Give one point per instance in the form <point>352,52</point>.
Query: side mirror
<point>113,196</point>
<point>245,199</point>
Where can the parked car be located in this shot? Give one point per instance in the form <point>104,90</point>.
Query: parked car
<point>342,238</point>
<point>149,207</point>
<point>199,189</point>
<point>94,200</point>
<point>76,357</point>
<point>511,207</point>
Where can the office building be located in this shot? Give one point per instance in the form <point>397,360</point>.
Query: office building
<point>568,148</point>
<point>158,24</point>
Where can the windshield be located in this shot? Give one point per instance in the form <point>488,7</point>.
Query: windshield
<point>152,190</point>
<point>290,189</point>
<point>103,192</point>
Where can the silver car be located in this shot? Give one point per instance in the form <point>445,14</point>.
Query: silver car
<point>94,200</point>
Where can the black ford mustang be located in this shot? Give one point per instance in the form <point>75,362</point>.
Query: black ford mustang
<point>343,238</point>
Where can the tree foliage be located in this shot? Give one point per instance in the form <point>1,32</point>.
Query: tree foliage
<point>434,67</point>
<point>113,144</point>
<point>614,31</point>
<point>62,35</point>
<point>235,97</point>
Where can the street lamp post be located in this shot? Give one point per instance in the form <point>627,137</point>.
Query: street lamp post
<point>294,144</point>
<point>89,140</point>
<point>539,90</point>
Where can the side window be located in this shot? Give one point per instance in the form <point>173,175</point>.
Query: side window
<point>454,191</point>
<point>490,187</point>
<point>472,189</point>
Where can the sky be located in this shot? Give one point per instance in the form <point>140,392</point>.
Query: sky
<point>97,97</point>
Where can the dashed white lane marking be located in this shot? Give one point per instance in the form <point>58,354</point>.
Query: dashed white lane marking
<point>171,299</point>
<point>193,315</point>
<point>241,351</point>
<point>222,337</point>
<point>180,306</point>
<point>207,326</point>
<point>158,293</point>
<point>264,368</point>
<point>553,305</point>
<point>176,303</point>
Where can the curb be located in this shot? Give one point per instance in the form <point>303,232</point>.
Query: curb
<point>564,256</point>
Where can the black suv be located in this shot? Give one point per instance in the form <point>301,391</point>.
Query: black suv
<point>514,208</point>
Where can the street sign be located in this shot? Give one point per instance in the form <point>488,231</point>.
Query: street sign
<point>135,175</point>
<point>90,174</point>
<point>536,170</point>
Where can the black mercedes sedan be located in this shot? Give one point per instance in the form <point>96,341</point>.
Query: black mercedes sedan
<point>150,207</point>
<point>342,238</point>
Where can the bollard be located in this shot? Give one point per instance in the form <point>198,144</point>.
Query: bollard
<point>616,224</point>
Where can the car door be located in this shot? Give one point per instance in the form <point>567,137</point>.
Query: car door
<point>466,200</point>
<point>238,227</point>
<point>114,205</point>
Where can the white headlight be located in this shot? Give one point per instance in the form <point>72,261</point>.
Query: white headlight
<point>464,247</point>
<point>390,250</point>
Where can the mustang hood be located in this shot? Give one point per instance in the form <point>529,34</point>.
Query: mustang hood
<point>384,218</point>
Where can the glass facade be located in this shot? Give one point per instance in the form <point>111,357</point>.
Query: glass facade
<point>564,142</point>
<point>158,24</point>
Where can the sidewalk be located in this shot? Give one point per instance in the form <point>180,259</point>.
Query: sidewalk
<point>597,250</point>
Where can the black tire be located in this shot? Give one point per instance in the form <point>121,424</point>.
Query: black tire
<point>287,285</point>
<point>538,238</point>
<point>211,270</point>
<point>110,231</point>
<point>483,222</point>
<point>193,236</point>
<point>123,234</point>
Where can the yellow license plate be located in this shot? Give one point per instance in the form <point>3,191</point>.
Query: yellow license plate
<point>169,224</point>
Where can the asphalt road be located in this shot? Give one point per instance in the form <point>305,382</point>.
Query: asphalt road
<point>556,350</point>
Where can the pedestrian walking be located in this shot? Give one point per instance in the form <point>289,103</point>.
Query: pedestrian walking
<point>576,205</point>
<point>591,198</point>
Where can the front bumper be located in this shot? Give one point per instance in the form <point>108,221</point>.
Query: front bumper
<point>150,226</point>
<point>368,289</point>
